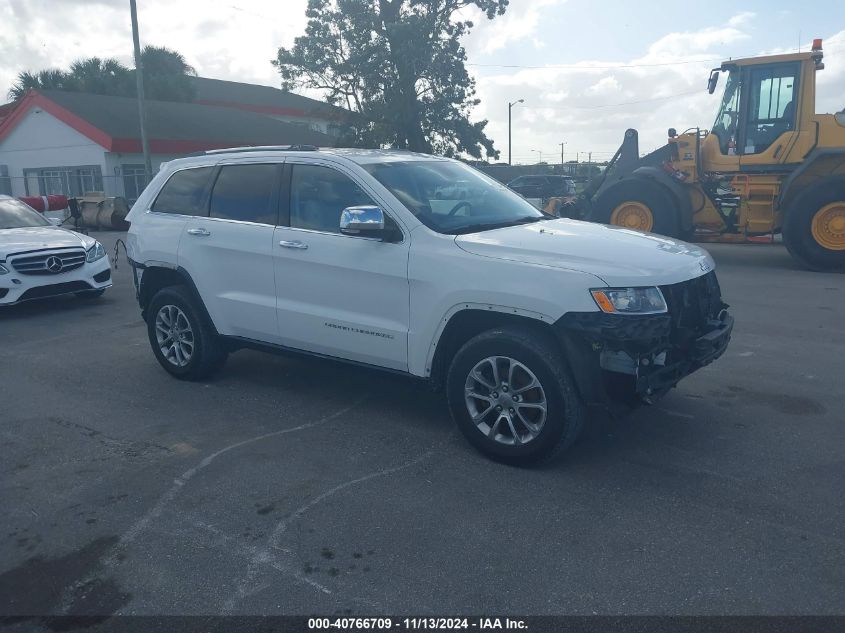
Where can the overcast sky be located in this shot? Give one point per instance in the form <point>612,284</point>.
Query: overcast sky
<point>587,70</point>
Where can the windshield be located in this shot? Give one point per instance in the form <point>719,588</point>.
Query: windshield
<point>14,214</point>
<point>725,126</point>
<point>450,197</point>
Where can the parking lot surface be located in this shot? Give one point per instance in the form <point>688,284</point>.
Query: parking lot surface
<point>298,486</point>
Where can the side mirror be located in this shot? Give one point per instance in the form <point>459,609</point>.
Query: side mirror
<point>713,81</point>
<point>366,221</point>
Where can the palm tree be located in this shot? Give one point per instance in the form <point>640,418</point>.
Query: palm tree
<point>167,76</point>
<point>107,77</point>
<point>50,79</point>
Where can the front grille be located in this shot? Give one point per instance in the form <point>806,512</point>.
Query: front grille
<point>49,263</point>
<point>693,303</point>
<point>54,289</point>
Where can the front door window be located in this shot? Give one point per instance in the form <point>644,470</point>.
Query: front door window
<point>771,105</point>
<point>726,120</point>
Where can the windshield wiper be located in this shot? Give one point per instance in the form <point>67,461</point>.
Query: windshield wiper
<point>475,228</point>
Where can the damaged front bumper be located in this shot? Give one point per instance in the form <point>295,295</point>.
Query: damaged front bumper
<point>640,357</point>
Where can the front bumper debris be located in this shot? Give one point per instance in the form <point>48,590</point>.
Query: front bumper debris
<point>624,357</point>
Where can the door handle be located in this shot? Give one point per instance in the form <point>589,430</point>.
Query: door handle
<point>293,244</point>
<point>200,232</point>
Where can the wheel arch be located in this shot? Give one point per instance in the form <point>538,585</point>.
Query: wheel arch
<point>819,167</point>
<point>157,277</point>
<point>468,320</point>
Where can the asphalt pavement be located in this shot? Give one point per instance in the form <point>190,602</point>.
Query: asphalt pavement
<point>299,486</point>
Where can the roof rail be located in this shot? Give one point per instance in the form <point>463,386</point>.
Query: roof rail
<point>265,148</point>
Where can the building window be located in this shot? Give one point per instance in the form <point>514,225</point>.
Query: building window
<point>134,181</point>
<point>67,181</point>
<point>5,181</point>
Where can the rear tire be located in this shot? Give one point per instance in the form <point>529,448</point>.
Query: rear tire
<point>182,339</point>
<point>522,355</point>
<point>813,229</point>
<point>659,204</point>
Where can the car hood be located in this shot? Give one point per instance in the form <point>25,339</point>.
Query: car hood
<point>38,237</point>
<point>618,256</point>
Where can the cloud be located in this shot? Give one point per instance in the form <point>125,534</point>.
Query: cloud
<point>590,105</point>
<point>741,18</point>
<point>226,42</point>
<point>604,87</point>
<point>519,23</point>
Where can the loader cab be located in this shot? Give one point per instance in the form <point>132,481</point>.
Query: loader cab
<point>759,119</point>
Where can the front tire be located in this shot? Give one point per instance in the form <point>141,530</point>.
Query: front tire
<point>511,395</point>
<point>814,228</point>
<point>182,339</point>
<point>641,207</point>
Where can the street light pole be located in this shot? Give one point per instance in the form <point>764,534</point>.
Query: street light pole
<point>139,77</point>
<point>540,152</point>
<point>511,105</point>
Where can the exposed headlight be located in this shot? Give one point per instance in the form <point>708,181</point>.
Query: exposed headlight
<point>95,252</point>
<point>3,270</point>
<point>630,300</point>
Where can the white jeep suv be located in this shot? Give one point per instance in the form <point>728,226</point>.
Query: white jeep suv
<point>377,258</point>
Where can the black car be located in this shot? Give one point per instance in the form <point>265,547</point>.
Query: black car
<point>543,186</point>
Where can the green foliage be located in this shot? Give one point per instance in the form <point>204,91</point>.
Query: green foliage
<point>50,79</point>
<point>398,66</point>
<point>99,76</point>
<point>166,77</point>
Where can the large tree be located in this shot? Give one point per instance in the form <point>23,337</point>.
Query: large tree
<point>166,77</point>
<point>398,65</point>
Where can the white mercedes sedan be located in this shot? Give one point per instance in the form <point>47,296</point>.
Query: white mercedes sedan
<point>39,259</point>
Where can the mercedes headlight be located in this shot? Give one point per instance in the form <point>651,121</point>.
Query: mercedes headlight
<point>630,300</point>
<point>95,252</point>
<point>3,270</point>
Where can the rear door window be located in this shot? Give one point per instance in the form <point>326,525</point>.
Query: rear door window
<point>245,193</point>
<point>185,193</point>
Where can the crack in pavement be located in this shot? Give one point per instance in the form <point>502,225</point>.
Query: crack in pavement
<point>113,557</point>
<point>265,555</point>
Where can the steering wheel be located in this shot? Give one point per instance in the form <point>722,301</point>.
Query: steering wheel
<point>454,210</point>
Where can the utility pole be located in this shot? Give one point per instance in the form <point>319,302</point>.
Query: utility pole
<point>562,145</point>
<point>511,105</point>
<point>139,77</point>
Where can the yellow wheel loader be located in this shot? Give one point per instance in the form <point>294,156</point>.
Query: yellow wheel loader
<point>769,165</point>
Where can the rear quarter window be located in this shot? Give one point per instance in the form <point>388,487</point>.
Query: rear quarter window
<point>185,193</point>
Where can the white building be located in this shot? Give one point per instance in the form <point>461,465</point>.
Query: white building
<point>56,142</point>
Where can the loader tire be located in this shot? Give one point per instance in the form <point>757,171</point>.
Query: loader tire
<point>640,206</point>
<point>814,227</point>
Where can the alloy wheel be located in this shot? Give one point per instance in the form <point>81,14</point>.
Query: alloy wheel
<point>505,400</point>
<point>174,335</point>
